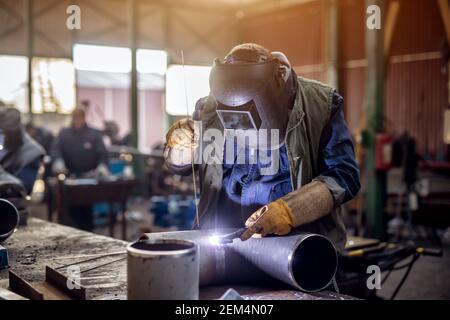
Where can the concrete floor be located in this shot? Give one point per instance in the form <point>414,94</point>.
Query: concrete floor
<point>429,278</point>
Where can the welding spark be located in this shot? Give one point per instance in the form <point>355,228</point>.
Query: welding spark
<point>214,239</point>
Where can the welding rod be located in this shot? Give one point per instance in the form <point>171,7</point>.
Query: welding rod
<point>99,255</point>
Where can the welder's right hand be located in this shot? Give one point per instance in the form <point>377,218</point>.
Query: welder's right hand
<point>181,141</point>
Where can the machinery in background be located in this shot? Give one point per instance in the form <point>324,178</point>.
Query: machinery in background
<point>361,254</point>
<point>173,211</point>
<point>172,202</point>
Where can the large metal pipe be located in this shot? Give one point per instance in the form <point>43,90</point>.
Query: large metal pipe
<point>307,262</point>
<point>9,219</point>
<point>162,269</point>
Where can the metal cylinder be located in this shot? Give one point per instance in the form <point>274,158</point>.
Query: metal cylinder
<point>9,219</point>
<point>305,261</point>
<point>163,269</point>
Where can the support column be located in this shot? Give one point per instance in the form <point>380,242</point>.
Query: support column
<point>332,44</point>
<point>170,53</point>
<point>28,20</point>
<point>133,26</point>
<point>374,100</point>
<point>444,8</point>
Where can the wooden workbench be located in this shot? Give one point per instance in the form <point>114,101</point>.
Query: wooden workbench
<point>42,244</point>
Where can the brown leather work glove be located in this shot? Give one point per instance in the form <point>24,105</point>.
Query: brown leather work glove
<point>275,218</point>
<point>181,134</point>
<point>181,141</point>
<point>302,206</point>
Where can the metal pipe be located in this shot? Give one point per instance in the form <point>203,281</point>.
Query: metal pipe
<point>307,262</point>
<point>163,269</point>
<point>9,219</point>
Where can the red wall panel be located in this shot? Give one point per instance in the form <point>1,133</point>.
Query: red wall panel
<point>297,31</point>
<point>415,100</point>
<point>415,91</point>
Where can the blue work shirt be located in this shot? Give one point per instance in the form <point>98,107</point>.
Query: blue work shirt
<point>245,189</point>
<point>82,150</point>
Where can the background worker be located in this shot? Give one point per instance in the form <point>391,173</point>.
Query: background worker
<point>79,151</point>
<point>317,169</point>
<point>20,155</point>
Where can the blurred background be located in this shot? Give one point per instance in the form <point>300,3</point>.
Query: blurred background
<point>121,61</point>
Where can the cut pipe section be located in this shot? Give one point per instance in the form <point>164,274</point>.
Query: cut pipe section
<point>166,269</point>
<point>9,219</point>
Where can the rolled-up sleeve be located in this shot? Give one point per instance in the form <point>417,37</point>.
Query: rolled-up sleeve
<point>337,164</point>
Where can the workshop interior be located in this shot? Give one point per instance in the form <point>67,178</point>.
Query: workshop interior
<point>225,150</point>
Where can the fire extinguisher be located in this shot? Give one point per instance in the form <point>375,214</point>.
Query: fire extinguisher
<point>383,151</point>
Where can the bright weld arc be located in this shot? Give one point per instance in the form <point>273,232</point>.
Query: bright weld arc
<point>214,239</point>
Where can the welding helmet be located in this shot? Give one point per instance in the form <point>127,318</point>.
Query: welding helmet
<point>251,96</point>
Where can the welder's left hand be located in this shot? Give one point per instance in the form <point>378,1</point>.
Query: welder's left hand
<point>302,206</point>
<point>277,219</point>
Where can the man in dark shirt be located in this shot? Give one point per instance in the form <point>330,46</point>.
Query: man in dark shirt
<point>80,147</point>
<point>79,150</point>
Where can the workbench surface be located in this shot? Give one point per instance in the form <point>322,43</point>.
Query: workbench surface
<point>42,244</point>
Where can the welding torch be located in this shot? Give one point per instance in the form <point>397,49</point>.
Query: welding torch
<point>241,232</point>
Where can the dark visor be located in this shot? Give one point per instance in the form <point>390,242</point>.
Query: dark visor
<point>243,117</point>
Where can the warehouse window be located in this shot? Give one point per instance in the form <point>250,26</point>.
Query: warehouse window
<point>118,59</point>
<point>101,58</point>
<point>53,85</point>
<point>151,61</point>
<point>196,80</point>
<point>13,81</point>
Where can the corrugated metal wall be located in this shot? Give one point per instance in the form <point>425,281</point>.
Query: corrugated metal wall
<point>351,48</point>
<point>297,31</point>
<point>416,87</point>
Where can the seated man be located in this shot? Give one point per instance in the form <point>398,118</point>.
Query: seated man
<point>20,155</point>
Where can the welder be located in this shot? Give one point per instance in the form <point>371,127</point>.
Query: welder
<point>254,90</point>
